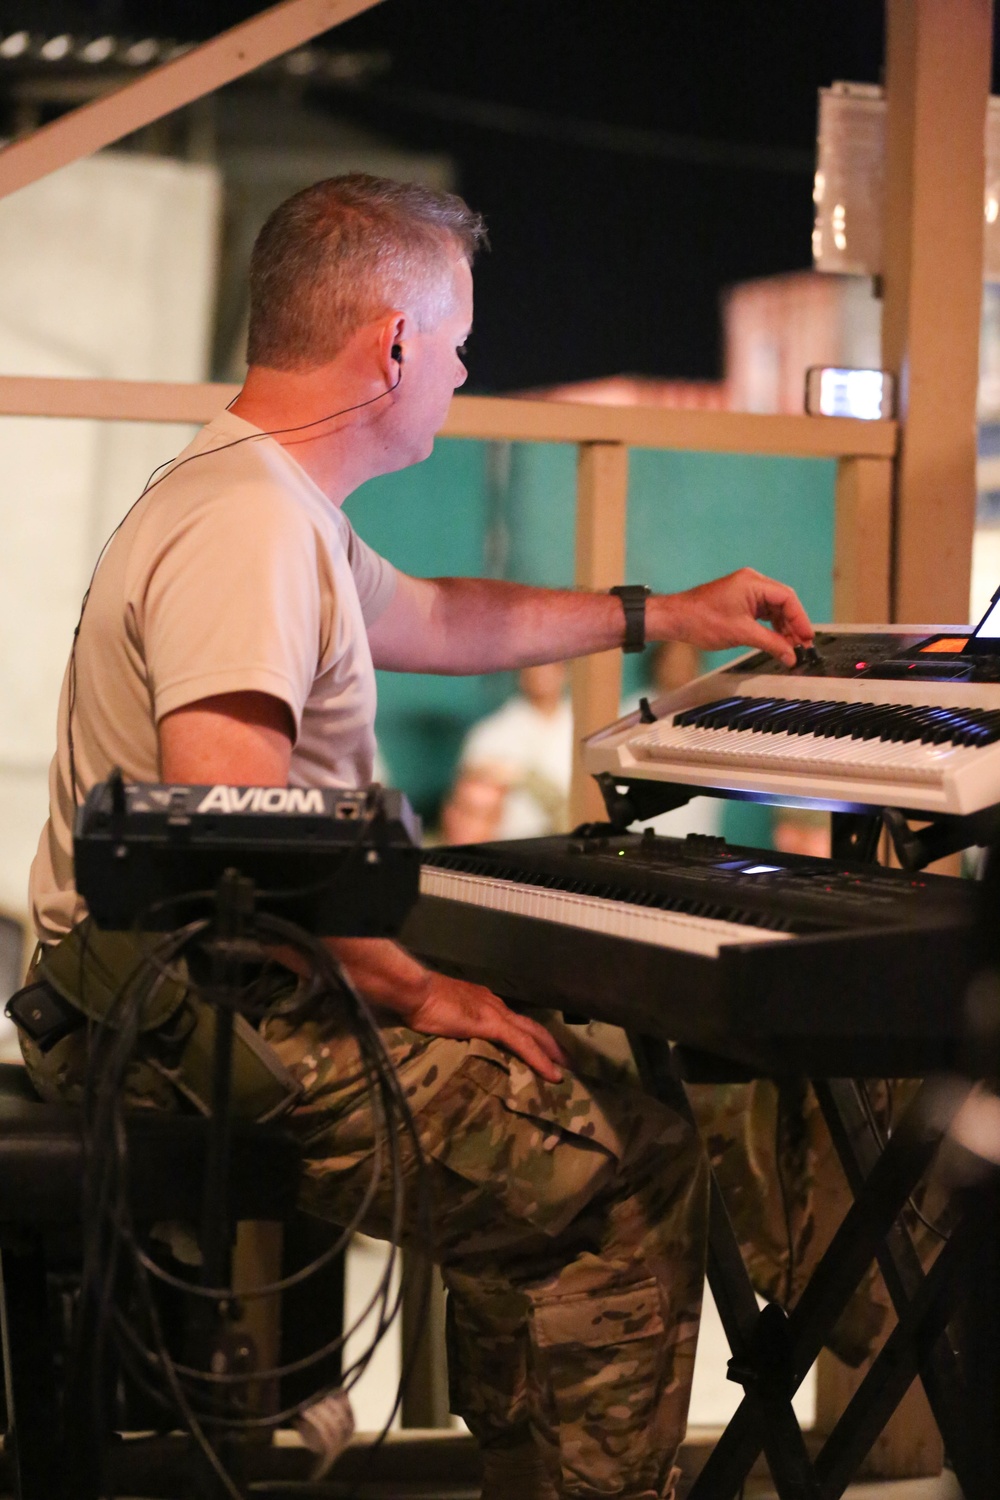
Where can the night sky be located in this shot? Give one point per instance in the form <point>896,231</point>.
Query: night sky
<point>632,157</point>
<point>611,260</point>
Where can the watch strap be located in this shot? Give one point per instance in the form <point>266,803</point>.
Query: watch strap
<point>633,597</point>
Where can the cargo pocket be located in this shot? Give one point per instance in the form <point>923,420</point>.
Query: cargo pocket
<point>600,1372</point>
<point>537,1150</point>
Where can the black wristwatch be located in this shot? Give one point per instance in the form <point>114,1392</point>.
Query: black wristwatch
<point>633,597</point>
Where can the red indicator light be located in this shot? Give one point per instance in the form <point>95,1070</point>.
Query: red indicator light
<point>859,666</point>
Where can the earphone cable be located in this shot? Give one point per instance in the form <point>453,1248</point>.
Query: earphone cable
<point>172,465</point>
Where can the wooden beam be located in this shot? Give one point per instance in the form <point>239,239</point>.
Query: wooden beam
<point>170,86</point>
<point>487,417</point>
<point>937,86</point>
<point>862,546</point>
<point>601,496</point>
<point>112,400</point>
<point>654,427</point>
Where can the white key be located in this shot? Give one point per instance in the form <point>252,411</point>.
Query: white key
<point>913,762</point>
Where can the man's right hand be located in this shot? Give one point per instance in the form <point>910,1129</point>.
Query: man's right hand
<point>456,1008</point>
<point>426,1001</point>
<point>727,612</point>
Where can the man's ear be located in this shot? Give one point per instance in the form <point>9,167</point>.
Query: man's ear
<point>392,346</point>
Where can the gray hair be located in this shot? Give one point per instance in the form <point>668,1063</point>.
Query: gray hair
<point>337,255</point>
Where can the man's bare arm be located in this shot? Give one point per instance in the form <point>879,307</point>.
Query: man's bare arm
<point>245,739</point>
<point>240,739</point>
<point>460,625</point>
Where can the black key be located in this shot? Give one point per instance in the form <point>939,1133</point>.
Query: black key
<point>897,724</point>
<point>987,734</point>
<point>724,713</point>
<point>881,724</point>
<point>756,713</point>
<point>868,725</point>
<point>828,725</point>
<point>837,723</point>
<point>777,720</point>
<point>941,727</point>
<point>852,711</point>
<point>810,713</point>
<point>754,717</point>
<point>912,723</point>
<point>698,717</point>
<point>740,717</point>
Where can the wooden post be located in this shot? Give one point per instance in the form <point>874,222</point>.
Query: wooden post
<point>425,1401</point>
<point>862,559</point>
<point>937,85</point>
<point>601,495</point>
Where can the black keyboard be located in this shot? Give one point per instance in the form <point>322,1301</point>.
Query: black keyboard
<point>778,962</point>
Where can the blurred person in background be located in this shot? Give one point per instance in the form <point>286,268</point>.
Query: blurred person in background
<point>802,830</point>
<point>472,810</point>
<point>525,748</point>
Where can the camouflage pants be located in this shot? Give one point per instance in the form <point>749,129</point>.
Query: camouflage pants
<point>787,1195</point>
<point>569,1221</point>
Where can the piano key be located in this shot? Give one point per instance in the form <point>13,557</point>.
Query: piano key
<point>839,757</point>
<point>696,715</point>
<point>781,734</point>
<point>777,719</point>
<point>829,718</point>
<point>682,932</point>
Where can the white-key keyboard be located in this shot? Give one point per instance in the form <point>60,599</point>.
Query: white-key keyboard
<point>665,929</point>
<point>918,742</point>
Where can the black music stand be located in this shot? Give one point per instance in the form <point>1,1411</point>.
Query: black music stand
<point>134,848</point>
<point>772,1351</point>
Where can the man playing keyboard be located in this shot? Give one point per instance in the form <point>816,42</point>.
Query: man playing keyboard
<point>231,636</point>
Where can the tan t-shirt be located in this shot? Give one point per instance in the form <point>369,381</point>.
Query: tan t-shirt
<point>233,573</point>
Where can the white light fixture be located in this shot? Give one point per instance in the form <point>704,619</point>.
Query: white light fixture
<point>865,394</point>
<point>15,45</point>
<point>301,62</point>
<point>57,47</point>
<point>99,50</point>
<point>848,189</point>
<point>140,54</point>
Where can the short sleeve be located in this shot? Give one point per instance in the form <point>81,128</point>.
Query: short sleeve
<point>231,602</point>
<point>374,576</point>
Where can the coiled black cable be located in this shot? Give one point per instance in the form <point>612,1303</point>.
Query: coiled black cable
<point>119,1273</point>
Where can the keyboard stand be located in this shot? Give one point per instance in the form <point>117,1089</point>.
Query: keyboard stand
<point>772,1351</point>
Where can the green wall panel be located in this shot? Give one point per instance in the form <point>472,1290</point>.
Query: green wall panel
<point>430,520</point>
<point>694,516</point>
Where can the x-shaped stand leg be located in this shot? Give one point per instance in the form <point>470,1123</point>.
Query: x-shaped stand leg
<point>758,1338</point>
<point>858,1146</point>
<point>773,1353</point>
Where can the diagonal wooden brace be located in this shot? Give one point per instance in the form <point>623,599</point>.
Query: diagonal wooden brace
<point>182,80</point>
